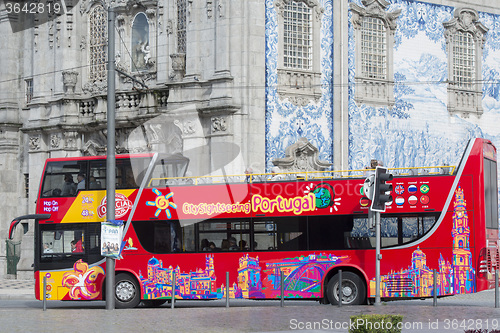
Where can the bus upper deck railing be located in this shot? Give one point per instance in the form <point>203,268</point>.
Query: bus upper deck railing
<point>297,176</point>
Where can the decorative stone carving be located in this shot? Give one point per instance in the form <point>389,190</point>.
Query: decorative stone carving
<point>220,8</point>
<point>91,148</point>
<point>96,144</point>
<point>159,134</point>
<point>69,26</point>
<point>95,88</point>
<point>375,8</point>
<point>120,21</point>
<point>210,8</point>
<point>280,7</point>
<point>55,141</point>
<point>187,127</point>
<point>219,124</point>
<point>467,20</point>
<point>83,43</point>
<point>189,9</point>
<point>162,97</point>
<point>302,156</point>
<point>169,28</point>
<point>178,66</point>
<point>69,81</point>
<point>51,34</point>
<point>151,13</point>
<point>35,143</point>
<point>35,38</point>
<point>70,140</point>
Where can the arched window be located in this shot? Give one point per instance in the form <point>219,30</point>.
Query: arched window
<point>98,44</point>
<point>141,52</point>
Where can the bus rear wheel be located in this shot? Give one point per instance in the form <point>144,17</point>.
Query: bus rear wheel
<point>353,289</point>
<point>127,292</point>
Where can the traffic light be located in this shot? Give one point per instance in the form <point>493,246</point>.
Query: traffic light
<point>380,198</point>
<point>368,186</point>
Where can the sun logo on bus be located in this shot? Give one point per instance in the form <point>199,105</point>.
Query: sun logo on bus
<point>162,202</point>
<point>325,196</point>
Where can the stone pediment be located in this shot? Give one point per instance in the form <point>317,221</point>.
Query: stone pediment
<point>300,157</point>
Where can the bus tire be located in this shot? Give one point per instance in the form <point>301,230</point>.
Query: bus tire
<point>354,291</point>
<point>127,292</point>
<point>154,303</point>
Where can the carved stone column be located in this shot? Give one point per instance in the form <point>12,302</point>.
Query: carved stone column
<point>12,202</point>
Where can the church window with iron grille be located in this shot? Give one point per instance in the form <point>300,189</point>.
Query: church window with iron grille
<point>181,26</point>
<point>297,39</point>
<point>464,60</point>
<point>98,44</point>
<point>373,49</point>
<point>374,28</point>
<point>465,37</point>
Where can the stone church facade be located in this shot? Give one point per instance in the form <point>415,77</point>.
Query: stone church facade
<point>261,75</point>
<point>191,75</point>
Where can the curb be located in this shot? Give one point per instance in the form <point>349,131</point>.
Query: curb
<point>27,296</point>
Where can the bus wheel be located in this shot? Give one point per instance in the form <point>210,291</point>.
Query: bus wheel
<point>353,289</point>
<point>127,292</point>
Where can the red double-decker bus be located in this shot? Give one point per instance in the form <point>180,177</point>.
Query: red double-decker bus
<point>303,228</point>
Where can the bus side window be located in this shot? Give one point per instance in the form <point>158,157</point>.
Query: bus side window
<point>62,241</point>
<point>60,178</point>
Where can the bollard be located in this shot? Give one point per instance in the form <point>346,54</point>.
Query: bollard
<point>341,292</point>
<point>173,290</point>
<point>44,293</point>
<point>282,287</point>
<point>435,300</point>
<point>496,289</point>
<point>227,289</point>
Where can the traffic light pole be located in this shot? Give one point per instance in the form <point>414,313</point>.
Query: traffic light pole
<point>376,189</point>
<point>378,258</point>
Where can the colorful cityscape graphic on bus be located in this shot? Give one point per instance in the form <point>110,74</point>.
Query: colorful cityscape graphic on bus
<point>457,277</point>
<point>302,278</point>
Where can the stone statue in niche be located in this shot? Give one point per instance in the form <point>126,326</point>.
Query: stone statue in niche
<point>141,52</point>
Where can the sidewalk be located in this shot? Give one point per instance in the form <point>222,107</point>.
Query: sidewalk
<point>17,289</point>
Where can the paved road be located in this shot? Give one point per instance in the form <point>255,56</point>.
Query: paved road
<point>453,314</point>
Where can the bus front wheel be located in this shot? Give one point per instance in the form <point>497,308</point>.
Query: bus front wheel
<point>127,292</point>
<point>353,289</point>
